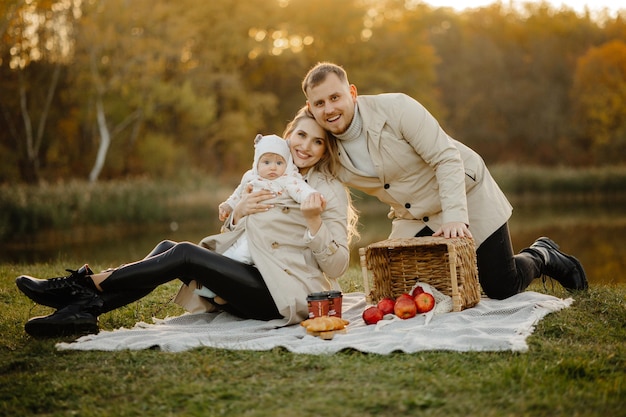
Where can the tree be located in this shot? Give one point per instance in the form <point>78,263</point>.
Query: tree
<point>505,76</point>
<point>129,59</point>
<point>599,91</point>
<point>110,88</point>
<point>383,46</point>
<point>36,35</point>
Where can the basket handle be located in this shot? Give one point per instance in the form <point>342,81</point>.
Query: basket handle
<point>457,304</point>
<point>366,278</point>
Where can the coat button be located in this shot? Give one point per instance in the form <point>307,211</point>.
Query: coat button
<point>275,245</point>
<point>386,186</point>
<point>407,205</point>
<point>285,209</point>
<point>425,219</point>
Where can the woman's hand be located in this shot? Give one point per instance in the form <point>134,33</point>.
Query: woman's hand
<point>252,202</point>
<point>312,208</point>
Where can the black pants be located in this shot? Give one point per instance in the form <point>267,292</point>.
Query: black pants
<point>241,285</point>
<point>501,273</point>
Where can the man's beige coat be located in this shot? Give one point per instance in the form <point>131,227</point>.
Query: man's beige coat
<point>292,264</point>
<point>426,177</point>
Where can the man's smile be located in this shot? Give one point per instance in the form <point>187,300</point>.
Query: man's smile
<point>333,118</point>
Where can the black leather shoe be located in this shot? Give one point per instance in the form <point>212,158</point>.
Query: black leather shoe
<point>75,319</point>
<point>57,292</point>
<point>566,269</point>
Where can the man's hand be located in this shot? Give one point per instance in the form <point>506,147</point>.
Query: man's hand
<point>453,229</point>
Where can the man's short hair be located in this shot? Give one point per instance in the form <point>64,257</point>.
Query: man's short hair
<point>319,72</point>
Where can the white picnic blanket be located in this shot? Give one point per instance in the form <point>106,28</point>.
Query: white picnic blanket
<point>492,325</point>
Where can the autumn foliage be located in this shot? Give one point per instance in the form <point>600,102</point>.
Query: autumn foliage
<point>110,89</point>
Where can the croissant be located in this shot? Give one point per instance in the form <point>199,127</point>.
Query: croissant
<point>324,324</point>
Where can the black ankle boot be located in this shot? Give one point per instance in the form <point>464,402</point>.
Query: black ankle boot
<point>78,318</point>
<point>57,292</point>
<point>566,269</point>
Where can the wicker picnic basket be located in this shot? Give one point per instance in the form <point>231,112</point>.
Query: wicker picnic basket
<point>396,265</point>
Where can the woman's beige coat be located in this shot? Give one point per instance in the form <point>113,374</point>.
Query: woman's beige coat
<point>291,263</point>
<point>426,177</point>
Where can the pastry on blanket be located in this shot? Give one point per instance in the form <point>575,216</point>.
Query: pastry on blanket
<point>324,324</point>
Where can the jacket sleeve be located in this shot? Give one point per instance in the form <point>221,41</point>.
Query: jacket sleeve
<point>430,141</point>
<point>236,195</point>
<point>330,244</point>
<point>298,189</point>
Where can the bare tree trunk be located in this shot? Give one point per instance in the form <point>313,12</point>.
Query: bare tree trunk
<point>105,141</point>
<point>33,143</point>
<point>46,109</point>
<point>105,135</point>
<point>28,125</point>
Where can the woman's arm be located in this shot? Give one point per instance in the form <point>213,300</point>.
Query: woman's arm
<point>329,243</point>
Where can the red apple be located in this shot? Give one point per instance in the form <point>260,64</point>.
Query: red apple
<point>386,305</point>
<point>372,315</point>
<point>417,290</point>
<point>405,307</point>
<point>424,302</point>
<point>404,295</point>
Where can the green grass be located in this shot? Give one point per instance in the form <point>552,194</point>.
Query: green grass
<point>576,366</point>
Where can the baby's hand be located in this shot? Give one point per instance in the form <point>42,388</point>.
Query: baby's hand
<point>224,211</point>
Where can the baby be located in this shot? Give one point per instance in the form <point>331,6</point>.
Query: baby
<point>273,169</point>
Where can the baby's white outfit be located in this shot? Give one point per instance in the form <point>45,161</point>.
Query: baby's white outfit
<point>291,182</point>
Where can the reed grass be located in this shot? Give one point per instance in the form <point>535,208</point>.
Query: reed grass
<point>557,182</point>
<point>28,209</point>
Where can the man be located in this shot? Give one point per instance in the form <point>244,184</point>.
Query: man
<point>391,147</point>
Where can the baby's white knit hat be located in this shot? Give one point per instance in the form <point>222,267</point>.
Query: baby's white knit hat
<point>271,144</point>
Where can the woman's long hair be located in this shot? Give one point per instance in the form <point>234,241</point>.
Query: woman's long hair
<point>328,165</point>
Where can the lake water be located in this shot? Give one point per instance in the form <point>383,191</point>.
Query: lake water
<point>593,232</point>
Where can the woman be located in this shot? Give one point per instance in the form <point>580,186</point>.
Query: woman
<point>297,249</point>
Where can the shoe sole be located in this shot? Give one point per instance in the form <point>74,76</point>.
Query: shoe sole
<point>49,330</point>
<point>35,296</point>
<point>577,263</point>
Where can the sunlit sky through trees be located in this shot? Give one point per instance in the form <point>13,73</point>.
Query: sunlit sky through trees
<point>578,5</point>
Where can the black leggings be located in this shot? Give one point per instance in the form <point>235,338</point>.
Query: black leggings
<point>241,285</point>
<point>501,273</point>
